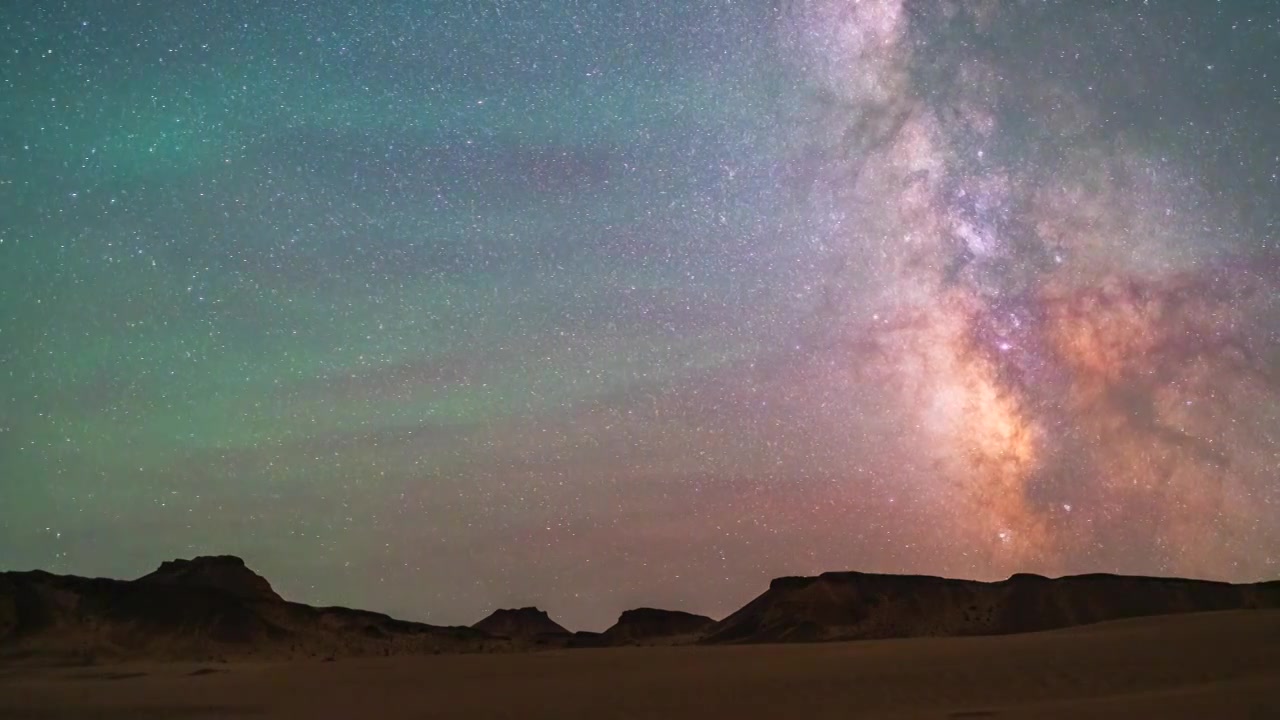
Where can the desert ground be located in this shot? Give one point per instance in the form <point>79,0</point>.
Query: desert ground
<point>1208,665</point>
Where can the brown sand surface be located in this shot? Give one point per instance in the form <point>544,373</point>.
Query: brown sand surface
<point>1219,665</point>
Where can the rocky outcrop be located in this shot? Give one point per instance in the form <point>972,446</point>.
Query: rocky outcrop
<point>586,639</point>
<point>528,624</point>
<point>650,626</point>
<point>216,608</point>
<point>851,605</point>
<point>225,573</point>
<point>179,615</point>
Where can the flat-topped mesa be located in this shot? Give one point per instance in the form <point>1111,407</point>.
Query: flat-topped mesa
<point>226,573</point>
<point>650,625</point>
<point>854,605</point>
<point>210,607</point>
<point>521,623</point>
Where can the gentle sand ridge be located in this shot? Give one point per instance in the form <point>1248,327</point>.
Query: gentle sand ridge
<point>1209,665</point>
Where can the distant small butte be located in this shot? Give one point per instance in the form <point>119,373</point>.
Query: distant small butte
<point>217,609</point>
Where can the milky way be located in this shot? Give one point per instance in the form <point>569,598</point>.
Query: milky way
<point>592,306</point>
<point>1071,324</point>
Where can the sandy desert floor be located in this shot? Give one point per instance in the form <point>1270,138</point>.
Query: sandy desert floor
<point>1218,665</point>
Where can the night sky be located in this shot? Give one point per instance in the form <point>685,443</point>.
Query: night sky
<point>435,307</point>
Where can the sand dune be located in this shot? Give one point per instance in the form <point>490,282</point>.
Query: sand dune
<point>1219,665</point>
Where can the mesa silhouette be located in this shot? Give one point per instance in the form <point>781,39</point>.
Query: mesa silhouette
<point>857,606</point>
<point>525,627</point>
<point>216,608</point>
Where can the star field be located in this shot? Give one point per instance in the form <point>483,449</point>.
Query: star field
<point>433,308</point>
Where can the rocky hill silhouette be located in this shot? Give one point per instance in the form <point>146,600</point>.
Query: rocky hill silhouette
<point>527,625</point>
<point>853,605</point>
<point>213,608</point>
<point>204,609</point>
<point>218,572</point>
<point>650,626</point>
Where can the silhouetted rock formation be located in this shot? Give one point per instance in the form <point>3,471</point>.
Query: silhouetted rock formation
<point>527,624</point>
<point>216,608</point>
<point>175,614</point>
<point>649,626</point>
<point>219,572</point>
<point>851,605</point>
<point>585,639</point>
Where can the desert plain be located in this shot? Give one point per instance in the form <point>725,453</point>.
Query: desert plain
<point>1201,665</point>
